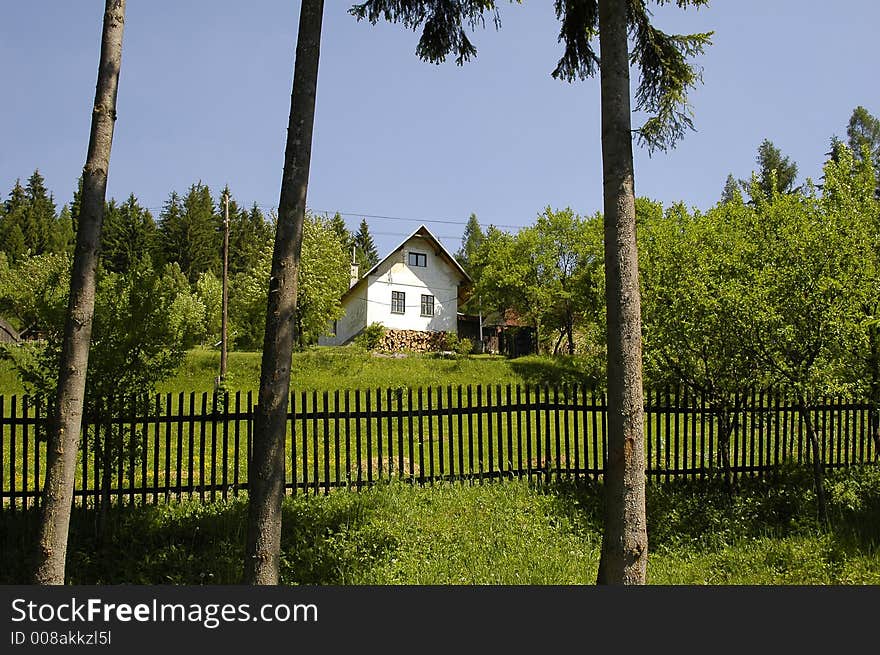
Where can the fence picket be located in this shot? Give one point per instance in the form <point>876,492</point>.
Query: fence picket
<point>559,432</point>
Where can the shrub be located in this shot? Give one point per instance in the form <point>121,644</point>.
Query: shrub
<point>372,336</point>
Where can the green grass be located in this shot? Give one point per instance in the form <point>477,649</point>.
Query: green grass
<point>328,369</point>
<point>500,533</point>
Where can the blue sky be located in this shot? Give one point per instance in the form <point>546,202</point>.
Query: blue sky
<point>205,95</point>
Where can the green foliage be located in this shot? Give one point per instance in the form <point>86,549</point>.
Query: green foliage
<point>30,224</point>
<point>550,274</point>
<point>863,131</point>
<point>136,340</point>
<point>471,241</point>
<point>189,232</point>
<point>209,291</point>
<point>775,174</point>
<point>371,337</point>
<point>128,236</point>
<point>323,278</point>
<point>366,255</point>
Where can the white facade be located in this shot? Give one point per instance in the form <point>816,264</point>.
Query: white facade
<point>416,287</point>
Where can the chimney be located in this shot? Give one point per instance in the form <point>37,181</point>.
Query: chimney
<point>354,275</point>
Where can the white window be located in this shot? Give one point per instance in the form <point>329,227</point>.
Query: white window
<point>398,302</point>
<point>427,305</point>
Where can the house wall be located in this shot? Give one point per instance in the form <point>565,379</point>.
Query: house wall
<point>438,279</point>
<point>353,321</point>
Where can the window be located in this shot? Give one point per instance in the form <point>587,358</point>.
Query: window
<point>427,305</point>
<point>418,259</point>
<point>398,302</point>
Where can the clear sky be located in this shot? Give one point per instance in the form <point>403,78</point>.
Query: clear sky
<point>205,95</point>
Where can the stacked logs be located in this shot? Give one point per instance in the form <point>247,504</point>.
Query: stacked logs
<point>413,341</point>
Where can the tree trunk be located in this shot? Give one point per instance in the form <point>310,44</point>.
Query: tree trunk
<point>569,330</point>
<point>818,464</point>
<point>63,441</point>
<point>266,477</point>
<point>726,425</point>
<point>625,540</point>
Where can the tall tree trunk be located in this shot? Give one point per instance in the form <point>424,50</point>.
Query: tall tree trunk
<point>266,475</point>
<point>64,438</point>
<point>625,540</point>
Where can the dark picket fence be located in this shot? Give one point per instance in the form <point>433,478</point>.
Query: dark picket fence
<point>182,446</point>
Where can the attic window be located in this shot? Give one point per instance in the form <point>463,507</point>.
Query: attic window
<point>418,259</point>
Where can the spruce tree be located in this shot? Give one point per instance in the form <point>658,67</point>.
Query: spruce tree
<point>249,233</point>
<point>129,235</point>
<point>731,189</point>
<point>346,239</point>
<point>471,241</point>
<point>12,240</point>
<point>38,221</point>
<point>772,165</point>
<point>863,131</point>
<point>172,241</point>
<point>365,250</point>
<point>190,232</point>
<point>64,237</point>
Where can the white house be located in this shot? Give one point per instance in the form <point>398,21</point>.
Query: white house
<point>419,286</point>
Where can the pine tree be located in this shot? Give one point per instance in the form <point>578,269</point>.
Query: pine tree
<point>249,233</point>
<point>864,131</point>
<point>365,250</point>
<point>129,235</point>
<point>38,221</point>
<point>64,237</point>
<point>12,240</point>
<point>337,224</point>
<point>190,232</point>
<point>776,173</point>
<point>470,244</point>
<point>731,190</point>
<point>172,231</point>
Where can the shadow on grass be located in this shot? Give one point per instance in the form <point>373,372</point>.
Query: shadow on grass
<point>702,515</point>
<point>324,541</point>
<point>559,371</point>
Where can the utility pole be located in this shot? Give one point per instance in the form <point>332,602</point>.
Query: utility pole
<point>223,325</point>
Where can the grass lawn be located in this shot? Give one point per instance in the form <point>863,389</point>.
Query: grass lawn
<point>328,369</point>
<point>500,533</point>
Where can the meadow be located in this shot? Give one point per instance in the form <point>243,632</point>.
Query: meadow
<point>510,532</point>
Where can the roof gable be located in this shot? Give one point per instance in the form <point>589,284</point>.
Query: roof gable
<point>425,234</point>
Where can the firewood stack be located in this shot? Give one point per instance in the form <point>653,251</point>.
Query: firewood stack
<point>413,341</point>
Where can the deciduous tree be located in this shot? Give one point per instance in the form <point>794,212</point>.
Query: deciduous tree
<point>266,491</point>
<point>65,433</point>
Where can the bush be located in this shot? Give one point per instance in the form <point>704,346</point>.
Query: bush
<point>372,336</point>
<point>460,347</point>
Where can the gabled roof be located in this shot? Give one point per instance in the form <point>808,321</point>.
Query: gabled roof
<point>426,234</point>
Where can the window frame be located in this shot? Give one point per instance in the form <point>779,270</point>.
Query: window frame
<point>425,304</point>
<point>398,302</point>
<point>417,256</point>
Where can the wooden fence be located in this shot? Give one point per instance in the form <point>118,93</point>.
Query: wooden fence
<point>180,446</point>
